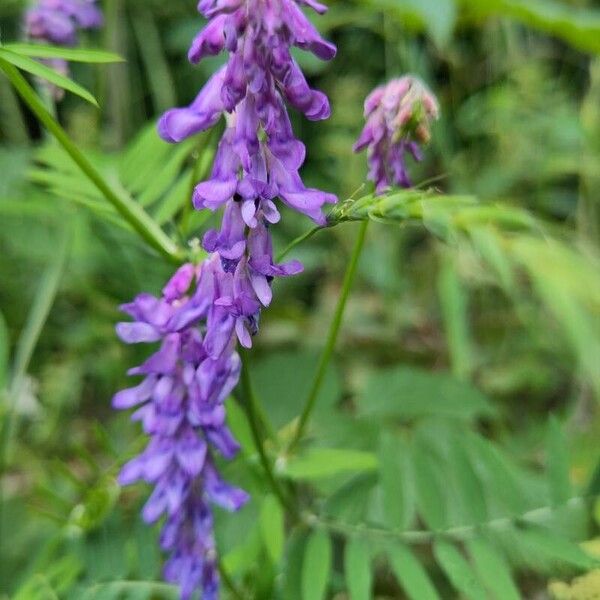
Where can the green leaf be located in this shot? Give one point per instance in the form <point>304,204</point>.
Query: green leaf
<point>486,242</point>
<point>350,500</point>
<point>357,569</point>
<point>431,494</point>
<point>292,567</point>
<point>272,528</point>
<point>325,462</point>
<point>409,393</point>
<point>558,463</point>
<point>493,570</point>
<point>174,200</point>
<point>458,570</point>
<point>40,310</point>
<point>238,423</point>
<point>396,481</point>
<point>454,303</point>
<point>556,548</point>
<point>469,490</point>
<point>83,55</point>
<point>410,573</point>
<point>497,474</point>
<point>316,566</point>
<point>40,70</point>
<point>162,177</point>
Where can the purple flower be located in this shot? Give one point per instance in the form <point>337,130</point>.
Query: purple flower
<point>57,21</point>
<point>399,116</point>
<point>180,405</point>
<point>206,310</point>
<point>251,89</point>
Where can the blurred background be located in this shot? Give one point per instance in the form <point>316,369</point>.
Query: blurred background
<point>490,337</point>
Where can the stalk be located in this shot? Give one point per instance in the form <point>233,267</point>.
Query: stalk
<point>332,335</point>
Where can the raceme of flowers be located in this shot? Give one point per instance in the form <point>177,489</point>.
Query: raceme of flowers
<point>399,116</point>
<point>206,309</point>
<point>57,22</point>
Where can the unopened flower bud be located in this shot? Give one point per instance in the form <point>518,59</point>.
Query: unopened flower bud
<point>399,117</point>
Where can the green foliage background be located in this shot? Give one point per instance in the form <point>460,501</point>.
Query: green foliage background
<point>453,451</point>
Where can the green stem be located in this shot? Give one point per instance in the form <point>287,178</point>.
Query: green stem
<point>537,516</point>
<point>301,238</point>
<point>132,212</point>
<point>253,411</point>
<point>332,335</point>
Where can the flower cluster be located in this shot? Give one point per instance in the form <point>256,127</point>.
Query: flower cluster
<point>399,116</point>
<point>206,310</point>
<point>180,404</point>
<point>58,22</point>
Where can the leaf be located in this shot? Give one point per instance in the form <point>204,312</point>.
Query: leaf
<point>497,474</point>
<point>409,393</point>
<point>272,528</point>
<point>316,566</point>
<point>458,570</point>
<point>351,499</point>
<point>40,70</point>
<point>556,548</point>
<point>454,303</point>
<point>396,481</point>
<point>493,570</point>
<point>558,463</point>
<point>357,569</point>
<point>469,489</point>
<point>238,423</point>
<point>486,242</point>
<point>39,311</point>
<point>326,462</point>
<point>431,495</point>
<point>410,573</point>
<point>83,55</point>
<point>161,179</point>
<point>292,568</point>
<point>174,200</point>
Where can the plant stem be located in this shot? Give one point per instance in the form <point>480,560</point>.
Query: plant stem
<point>252,406</point>
<point>332,335</point>
<point>301,238</point>
<point>130,210</point>
<point>537,516</point>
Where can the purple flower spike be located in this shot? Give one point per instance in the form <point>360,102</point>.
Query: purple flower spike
<point>399,117</point>
<point>206,310</point>
<point>180,403</point>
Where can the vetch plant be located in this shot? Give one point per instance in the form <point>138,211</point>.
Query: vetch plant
<point>400,457</point>
<point>196,368</point>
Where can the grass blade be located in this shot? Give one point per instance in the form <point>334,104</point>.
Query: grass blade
<point>83,55</point>
<point>47,73</point>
